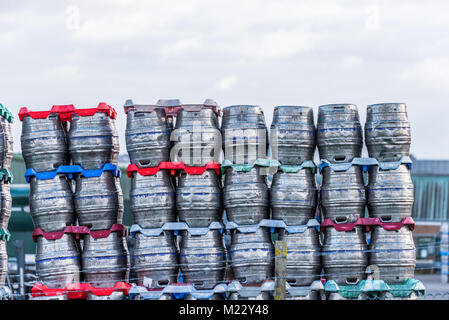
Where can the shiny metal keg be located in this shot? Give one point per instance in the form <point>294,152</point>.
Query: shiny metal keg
<point>343,195</point>
<point>116,295</point>
<point>244,134</point>
<point>246,196</point>
<point>58,261</point>
<point>394,253</point>
<point>156,258</point>
<point>344,255</point>
<point>387,131</point>
<point>197,138</point>
<point>152,199</point>
<point>203,259</point>
<point>44,143</point>
<point>147,137</point>
<point>105,261</point>
<point>199,198</point>
<point>98,201</point>
<point>5,204</point>
<point>6,144</point>
<point>252,256</point>
<point>293,196</point>
<point>93,140</point>
<point>339,133</point>
<point>51,203</point>
<point>390,193</point>
<point>3,263</point>
<point>292,134</point>
<point>303,256</point>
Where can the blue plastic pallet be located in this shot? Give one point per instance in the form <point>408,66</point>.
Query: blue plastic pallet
<point>365,163</point>
<point>71,170</point>
<point>273,224</point>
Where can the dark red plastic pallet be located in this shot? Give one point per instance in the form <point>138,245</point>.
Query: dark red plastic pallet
<point>66,111</point>
<point>78,231</point>
<point>78,290</point>
<point>369,222</point>
<point>173,167</point>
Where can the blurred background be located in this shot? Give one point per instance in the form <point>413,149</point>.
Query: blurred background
<point>236,52</point>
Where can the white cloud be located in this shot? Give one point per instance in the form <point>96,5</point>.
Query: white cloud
<point>431,73</point>
<point>227,83</point>
<point>72,20</point>
<point>372,21</point>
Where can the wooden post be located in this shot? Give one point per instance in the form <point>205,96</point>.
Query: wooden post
<point>280,270</point>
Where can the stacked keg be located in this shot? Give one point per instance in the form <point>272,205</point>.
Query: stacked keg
<point>293,195</point>
<point>98,200</point>
<point>6,150</point>
<point>86,143</point>
<point>44,149</point>
<point>390,191</point>
<point>193,197</point>
<point>246,193</point>
<point>342,194</point>
<point>152,197</point>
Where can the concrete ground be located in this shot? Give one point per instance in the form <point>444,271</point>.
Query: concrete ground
<point>435,290</point>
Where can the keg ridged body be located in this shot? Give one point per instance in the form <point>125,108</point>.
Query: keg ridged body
<point>199,198</point>
<point>93,140</point>
<point>293,196</point>
<point>152,199</point>
<point>339,133</point>
<point>343,196</point>
<point>148,137</point>
<point>252,256</point>
<point>387,131</point>
<point>157,258</point>
<point>203,259</point>
<point>293,134</point>
<point>58,261</point>
<point>344,255</point>
<point>51,203</point>
<point>44,143</point>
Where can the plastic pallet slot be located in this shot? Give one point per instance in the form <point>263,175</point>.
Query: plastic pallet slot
<point>365,163</point>
<point>5,235</point>
<point>71,170</point>
<point>173,167</point>
<point>175,227</point>
<point>6,176</point>
<point>78,231</point>
<point>66,111</point>
<point>268,286</point>
<point>172,108</point>
<point>78,290</point>
<point>5,113</point>
<point>273,224</point>
<point>368,222</point>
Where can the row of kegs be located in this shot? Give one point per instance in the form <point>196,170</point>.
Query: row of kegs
<point>388,193</point>
<point>71,159</point>
<point>244,135</point>
<point>6,153</point>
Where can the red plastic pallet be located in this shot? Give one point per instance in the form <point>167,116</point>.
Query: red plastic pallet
<point>173,167</point>
<point>66,111</point>
<point>78,290</point>
<point>369,222</point>
<point>78,231</point>
<point>172,110</point>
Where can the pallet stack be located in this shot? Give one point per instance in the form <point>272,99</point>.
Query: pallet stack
<point>176,195</point>
<point>6,151</point>
<point>79,234</point>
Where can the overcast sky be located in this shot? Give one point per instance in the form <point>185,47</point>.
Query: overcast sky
<point>235,52</point>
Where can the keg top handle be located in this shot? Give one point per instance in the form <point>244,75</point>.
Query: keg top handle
<point>171,106</point>
<point>65,112</point>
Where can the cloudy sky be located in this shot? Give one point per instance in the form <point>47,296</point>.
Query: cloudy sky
<point>236,52</point>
